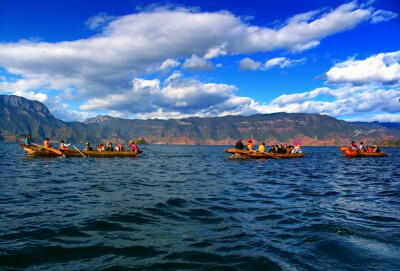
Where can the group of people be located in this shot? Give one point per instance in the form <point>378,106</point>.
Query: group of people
<point>280,148</point>
<point>363,148</point>
<point>101,147</point>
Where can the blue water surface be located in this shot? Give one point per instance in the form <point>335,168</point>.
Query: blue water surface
<point>190,208</point>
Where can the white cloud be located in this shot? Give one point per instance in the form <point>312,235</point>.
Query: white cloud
<point>383,68</point>
<point>283,62</point>
<point>141,43</point>
<point>99,21</point>
<point>216,51</point>
<point>196,63</point>
<point>169,63</point>
<point>249,64</point>
<point>382,16</point>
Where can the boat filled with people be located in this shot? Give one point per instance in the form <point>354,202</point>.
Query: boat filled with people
<point>352,152</point>
<point>238,153</point>
<point>66,150</point>
<point>37,150</point>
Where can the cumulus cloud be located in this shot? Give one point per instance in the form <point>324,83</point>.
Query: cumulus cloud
<point>383,68</point>
<point>196,63</point>
<point>145,42</point>
<point>247,64</point>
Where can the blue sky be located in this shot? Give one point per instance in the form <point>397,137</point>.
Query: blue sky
<point>175,59</point>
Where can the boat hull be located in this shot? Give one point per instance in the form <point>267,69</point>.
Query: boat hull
<point>37,151</point>
<point>260,155</point>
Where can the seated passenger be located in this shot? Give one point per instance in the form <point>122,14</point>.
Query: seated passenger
<point>353,145</point>
<point>110,147</point>
<point>376,149</point>
<point>297,148</point>
<point>101,147</point>
<point>361,146</point>
<point>261,148</point>
<point>63,146</point>
<point>88,147</point>
<point>250,146</point>
<point>120,147</point>
<point>134,147</point>
<point>239,144</point>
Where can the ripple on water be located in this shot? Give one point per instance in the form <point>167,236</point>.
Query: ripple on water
<point>189,207</point>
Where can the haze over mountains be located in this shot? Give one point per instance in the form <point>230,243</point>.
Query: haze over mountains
<point>19,117</point>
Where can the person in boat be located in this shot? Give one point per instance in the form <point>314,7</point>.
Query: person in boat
<point>249,145</point>
<point>297,148</point>
<point>109,147</point>
<point>281,149</point>
<point>119,147</point>
<point>88,147</point>
<point>101,147</point>
<point>133,146</point>
<point>28,140</point>
<point>353,145</point>
<point>261,148</point>
<point>46,143</point>
<point>239,144</point>
<point>361,146</point>
<point>376,149</point>
<point>63,146</point>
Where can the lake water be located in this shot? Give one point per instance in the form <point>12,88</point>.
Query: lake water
<point>190,208</point>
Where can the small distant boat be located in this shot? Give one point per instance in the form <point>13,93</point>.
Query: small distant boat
<point>258,155</point>
<point>40,151</point>
<point>357,153</point>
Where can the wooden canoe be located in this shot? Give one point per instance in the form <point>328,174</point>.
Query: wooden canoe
<point>37,151</point>
<point>356,153</point>
<point>258,155</point>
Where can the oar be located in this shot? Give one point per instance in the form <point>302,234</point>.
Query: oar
<point>78,150</point>
<point>50,149</point>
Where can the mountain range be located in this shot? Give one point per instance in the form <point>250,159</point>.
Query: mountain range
<point>20,116</point>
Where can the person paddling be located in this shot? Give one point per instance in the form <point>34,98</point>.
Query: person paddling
<point>133,146</point>
<point>63,146</point>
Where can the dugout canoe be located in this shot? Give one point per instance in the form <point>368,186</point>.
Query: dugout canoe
<point>258,155</point>
<point>38,151</point>
<point>357,153</point>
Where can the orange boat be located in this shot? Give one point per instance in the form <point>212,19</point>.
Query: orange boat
<point>358,153</point>
<point>258,155</point>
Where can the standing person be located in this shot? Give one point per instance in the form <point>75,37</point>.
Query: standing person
<point>63,146</point>
<point>250,146</point>
<point>261,148</point>
<point>239,144</point>
<point>28,140</point>
<point>134,147</point>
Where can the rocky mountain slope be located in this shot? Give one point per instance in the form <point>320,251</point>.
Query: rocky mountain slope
<point>19,116</point>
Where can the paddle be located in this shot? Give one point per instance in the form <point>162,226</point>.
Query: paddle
<point>50,149</point>
<point>78,150</point>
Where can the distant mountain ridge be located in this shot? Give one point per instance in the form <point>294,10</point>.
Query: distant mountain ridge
<point>19,116</point>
